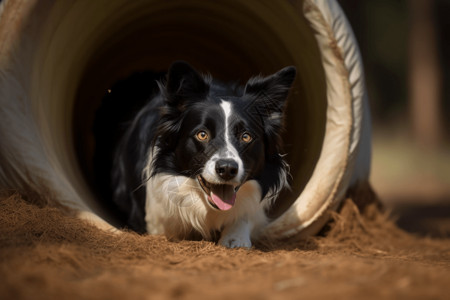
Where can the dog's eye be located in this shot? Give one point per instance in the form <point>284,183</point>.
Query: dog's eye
<point>246,137</point>
<point>202,136</point>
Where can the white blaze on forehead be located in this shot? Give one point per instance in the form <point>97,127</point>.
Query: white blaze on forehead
<point>226,107</point>
<point>231,152</point>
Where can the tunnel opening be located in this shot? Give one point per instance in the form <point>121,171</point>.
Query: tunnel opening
<point>230,43</point>
<point>62,56</point>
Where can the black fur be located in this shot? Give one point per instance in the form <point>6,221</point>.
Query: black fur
<point>189,102</point>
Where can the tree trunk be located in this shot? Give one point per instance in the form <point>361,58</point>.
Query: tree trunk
<point>424,75</point>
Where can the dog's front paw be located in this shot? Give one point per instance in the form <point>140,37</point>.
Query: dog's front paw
<point>235,242</point>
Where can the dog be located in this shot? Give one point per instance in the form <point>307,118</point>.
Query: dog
<point>203,158</point>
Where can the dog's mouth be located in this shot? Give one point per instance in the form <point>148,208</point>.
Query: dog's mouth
<point>220,196</point>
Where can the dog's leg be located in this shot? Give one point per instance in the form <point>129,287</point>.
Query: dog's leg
<point>249,225</point>
<point>237,235</point>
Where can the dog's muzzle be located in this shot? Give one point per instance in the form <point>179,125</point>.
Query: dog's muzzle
<point>220,196</point>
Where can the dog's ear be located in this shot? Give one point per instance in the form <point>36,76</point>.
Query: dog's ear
<point>184,84</point>
<point>266,97</point>
<point>271,92</point>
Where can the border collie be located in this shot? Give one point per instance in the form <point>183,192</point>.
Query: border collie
<point>208,155</point>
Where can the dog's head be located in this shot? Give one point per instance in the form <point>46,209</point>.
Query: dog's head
<point>222,136</point>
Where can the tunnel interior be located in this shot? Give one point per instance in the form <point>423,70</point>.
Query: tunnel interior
<point>231,41</point>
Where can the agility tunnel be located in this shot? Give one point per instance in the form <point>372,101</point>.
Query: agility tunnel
<point>58,58</point>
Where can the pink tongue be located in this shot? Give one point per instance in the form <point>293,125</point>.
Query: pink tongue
<point>223,197</point>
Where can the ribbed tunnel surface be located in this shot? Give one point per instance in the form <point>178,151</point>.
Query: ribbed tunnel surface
<point>64,56</point>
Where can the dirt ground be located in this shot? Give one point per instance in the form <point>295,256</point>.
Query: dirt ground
<point>46,254</point>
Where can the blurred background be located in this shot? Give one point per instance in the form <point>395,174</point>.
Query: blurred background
<point>405,46</point>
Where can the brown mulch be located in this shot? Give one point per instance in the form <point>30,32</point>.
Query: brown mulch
<point>48,254</point>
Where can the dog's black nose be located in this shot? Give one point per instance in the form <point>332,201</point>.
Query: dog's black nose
<point>227,168</point>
